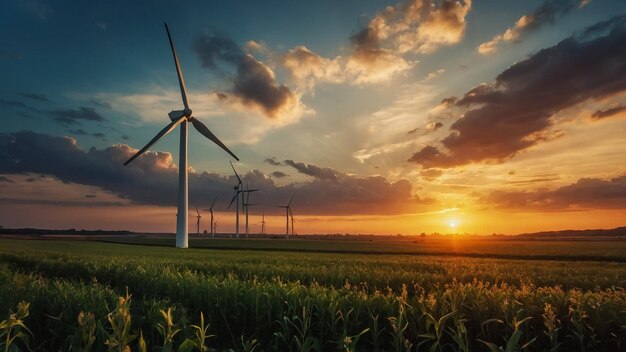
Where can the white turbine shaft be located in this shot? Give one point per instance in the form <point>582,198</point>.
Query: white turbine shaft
<point>182,240</point>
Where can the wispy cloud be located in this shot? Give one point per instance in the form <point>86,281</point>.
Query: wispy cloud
<point>547,13</point>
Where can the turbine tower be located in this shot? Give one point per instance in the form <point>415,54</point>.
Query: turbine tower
<point>198,217</point>
<point>182,117</point>
<point>287,211</point>
<point>292,221</point>
<point>263,225</point>
<point>238,189</point>
<point>247,204</point>
<point>212,219</point>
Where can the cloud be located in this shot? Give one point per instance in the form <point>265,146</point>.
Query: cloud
<point>153,178</point>
<point>601,114</point>
<point>434,74</point>
<point>73,116</point>
<point>313,171</point>
<point>515,112</point>
<point>35,97</point>
<point>444,25</point>
<point>417,26</point>
<point>592,193</point>
<point>272,161</point>
<point>278,174</point>
<point>6,179</point>
<point>421,26</point>
<point>254,83</point>
<point>307,68</point>
<point>547,13</point>
<point>433,126</point>
<point>431,174</point>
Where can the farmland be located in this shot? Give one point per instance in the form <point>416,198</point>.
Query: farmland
<point>308,295</point>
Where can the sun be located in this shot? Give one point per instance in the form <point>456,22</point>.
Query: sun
<point>453,223</point>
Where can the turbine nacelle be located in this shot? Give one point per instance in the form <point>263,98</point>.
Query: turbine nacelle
<point>177,114</point>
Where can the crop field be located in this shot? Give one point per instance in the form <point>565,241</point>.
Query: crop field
<point>313,295</point>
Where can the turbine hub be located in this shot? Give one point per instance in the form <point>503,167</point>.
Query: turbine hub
<point>187,112</point>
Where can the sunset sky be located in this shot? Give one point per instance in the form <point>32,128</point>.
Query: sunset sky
<point>382,116</point>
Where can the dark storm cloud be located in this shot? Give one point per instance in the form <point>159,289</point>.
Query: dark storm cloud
<point>513,113</point>
<point>72,116</point>
<point>153,179</point>
<point>36,97</point>
<point>312,170</point>
<point>278,174</point>
<point>272,161</point>
<point>600,114</point>
<point>254,83</point>
<point>586,193</point>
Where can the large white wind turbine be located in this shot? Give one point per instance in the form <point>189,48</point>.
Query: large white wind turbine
<point>287,211</point>
<point>181,117</point>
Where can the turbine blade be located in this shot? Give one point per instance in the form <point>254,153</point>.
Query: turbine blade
<point>181,80</point>
<point>197,211</point>
<point>232,200</point>
<point>293,195</point>
<point>235,171</point>
<point>200,127</point>
<point>163,132</point>
<point>212,204</point>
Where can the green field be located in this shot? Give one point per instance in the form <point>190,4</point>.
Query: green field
<point>315,295</point>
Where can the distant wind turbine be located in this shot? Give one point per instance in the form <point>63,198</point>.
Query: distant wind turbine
<point>287,211</point>
<point>181,117</point>
<point>198,217</point>
<point>263,225</point>
<point>212,219</point>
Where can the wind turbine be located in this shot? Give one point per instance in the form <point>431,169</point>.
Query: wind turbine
<point>263,225</point>
<point>247,204</point>
<point>182,117</point>
<point>212,220</point>
<point>198,217</point>
<point>292,221</point>
<point>287,211</point>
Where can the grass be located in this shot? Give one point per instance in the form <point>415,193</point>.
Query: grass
<point>302,298</point>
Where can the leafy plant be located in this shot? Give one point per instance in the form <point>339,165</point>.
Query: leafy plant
<point>120,336</point>
<point>13,331</point>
